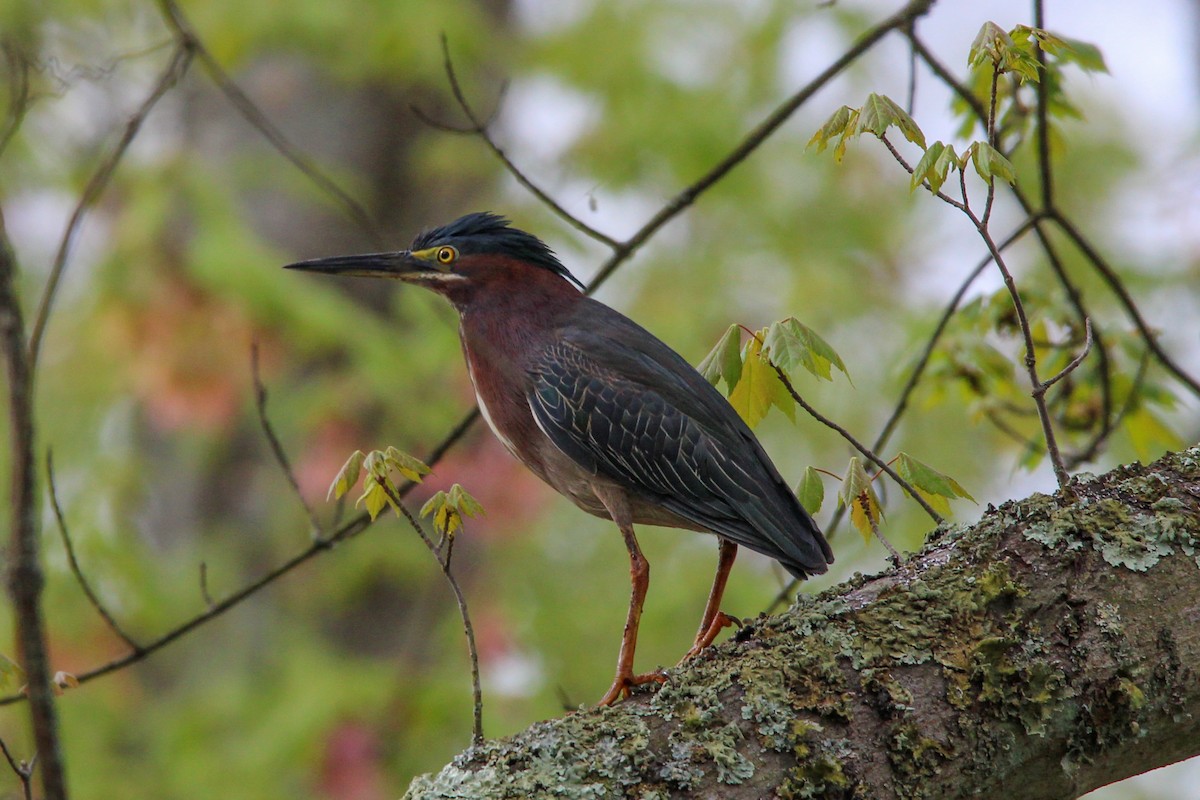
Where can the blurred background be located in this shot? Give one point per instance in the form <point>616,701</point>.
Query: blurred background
<point>350,675</point>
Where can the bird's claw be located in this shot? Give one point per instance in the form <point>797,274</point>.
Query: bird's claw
<point>622,685</point>
<point>709,634</point>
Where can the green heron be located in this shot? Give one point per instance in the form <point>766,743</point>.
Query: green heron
<point>601,410</point>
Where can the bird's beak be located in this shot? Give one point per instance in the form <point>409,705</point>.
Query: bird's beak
<point>400,265</point>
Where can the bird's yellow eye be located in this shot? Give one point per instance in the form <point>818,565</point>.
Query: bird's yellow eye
<point>446,254</point>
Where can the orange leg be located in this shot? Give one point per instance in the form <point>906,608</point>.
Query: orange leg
<point>639,576</point>
<point>714,619</point>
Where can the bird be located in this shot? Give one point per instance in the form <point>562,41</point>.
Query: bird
<point>601,410</point>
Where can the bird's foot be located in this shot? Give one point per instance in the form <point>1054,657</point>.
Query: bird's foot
<point>709,634</point>
<point>623,684</point>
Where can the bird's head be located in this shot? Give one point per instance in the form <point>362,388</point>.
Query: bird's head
<point>471,253</point>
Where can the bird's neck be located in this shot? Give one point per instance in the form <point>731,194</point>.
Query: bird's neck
<point>509,321</point>
<point>500,338</point>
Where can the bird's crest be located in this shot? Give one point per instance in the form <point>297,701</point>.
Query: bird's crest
<point>484,232</point>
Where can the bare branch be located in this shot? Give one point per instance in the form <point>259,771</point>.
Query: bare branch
<point>23,770</point>
<point>1056,459</point>
<point>346,531</point>
<point>1075,362</point>
<point>918,370</point>
<point>25,577</point>
<point>260,403</point>
<point>757,136</point>
<point>1118,288</point>
<point>481,129</point>
<point>940,195</point>
<point>18,89</point>
<point>188,39</point>
<point>76,570</point>
<point>174,71</point>
<point>460,599</point>
<point>868,454</point>
<point>1045,169</point>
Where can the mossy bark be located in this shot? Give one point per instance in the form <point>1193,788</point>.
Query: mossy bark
<point>1047,650</point>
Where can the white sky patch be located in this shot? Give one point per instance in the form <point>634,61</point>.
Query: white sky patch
<point>543,117</point>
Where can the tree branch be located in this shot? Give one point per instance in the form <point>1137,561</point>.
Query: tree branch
<point>25,578</point>
<point>1043,652</point>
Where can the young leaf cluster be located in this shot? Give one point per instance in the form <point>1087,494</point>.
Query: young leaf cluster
<point>879,114</point>
<point>749,373</point>
<point>447,509</point>
<point>378,489</point>
<point>1014,55</point>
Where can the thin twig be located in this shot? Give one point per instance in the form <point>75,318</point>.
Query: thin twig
<point>241,102</point>
<point>1045,169</point>
<point>918,371</point>
<point>460,599</point>
<point>346,531</point>
<point>940,195</point>
<point>1075,362</point>
<point>24,771</point>
<point>867,453</point>
<point>1056,459</point>
<point>96,186</point>
<point>1117,287</point>
<point>1074,295</point>
<point>481,129</point>
<point>204,593</point>
<point>1053,213</point>
<point>260,403</point>
<point>754,139</point>
<point>74,562</point>
<point>18,79</point>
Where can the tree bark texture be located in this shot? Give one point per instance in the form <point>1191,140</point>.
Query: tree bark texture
<point>1049,649</point>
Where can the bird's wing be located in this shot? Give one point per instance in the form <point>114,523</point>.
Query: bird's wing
<point>619,426</point>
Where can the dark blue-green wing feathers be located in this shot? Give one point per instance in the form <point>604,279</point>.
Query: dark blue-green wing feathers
<point>647,420</point>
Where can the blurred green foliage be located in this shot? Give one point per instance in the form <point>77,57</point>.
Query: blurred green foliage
<point>351,675</point>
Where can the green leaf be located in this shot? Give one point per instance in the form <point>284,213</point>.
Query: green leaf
<point>790,344</point>
<point>924,170</point>
<point>375,465</point>
<point>374,496</point>
<point>945,160</point>
<point>782,399</point>
<point>11,673</point>
<point>858,494</point>
<point>991,162</point>
<point>445,517</point>
<point>411,467</point>
<point>811,491</point>
<point>448,508</point>
<point>347,476</point>
<point>838,124</point>
<point>849,133</point>
<point>1084,55</point>
<point>752,397</point>
<point>431,506</point>
<point>880,112</point>
<point>934,486</point>
<point>464,502</point>
<point>725,359</point>
<point>990,45</point>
